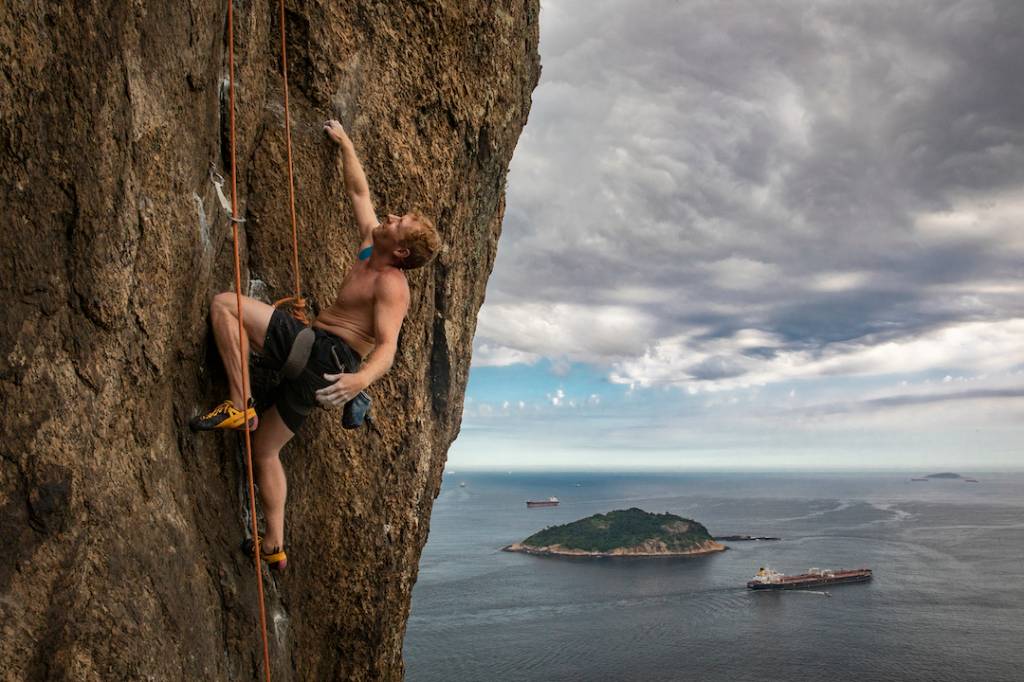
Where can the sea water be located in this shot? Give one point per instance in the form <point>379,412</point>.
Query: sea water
<point>946,602</point>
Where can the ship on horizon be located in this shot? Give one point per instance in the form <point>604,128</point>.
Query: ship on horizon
<point>550,502</point>
<point>767,579</point>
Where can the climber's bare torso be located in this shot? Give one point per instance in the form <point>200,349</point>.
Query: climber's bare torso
<point>351,315</point>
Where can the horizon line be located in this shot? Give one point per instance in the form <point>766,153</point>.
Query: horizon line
<point>450,468</point>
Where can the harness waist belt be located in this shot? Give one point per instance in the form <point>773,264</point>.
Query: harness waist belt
<point>298,356</point>
<point>355,411</point>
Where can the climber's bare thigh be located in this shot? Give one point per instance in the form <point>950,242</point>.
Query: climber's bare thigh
<point>255,316</point>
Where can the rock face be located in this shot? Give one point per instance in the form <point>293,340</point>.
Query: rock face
<point>119,527</point>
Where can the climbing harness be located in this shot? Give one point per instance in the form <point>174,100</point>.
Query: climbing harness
<point>298,356</point>
<point>355,410</point>
<point>243,365</point>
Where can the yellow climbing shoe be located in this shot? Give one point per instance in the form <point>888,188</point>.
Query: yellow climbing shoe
<point>276,559</point>
<point>225,416</point>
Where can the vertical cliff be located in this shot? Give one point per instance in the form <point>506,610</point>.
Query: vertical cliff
<point>119,527</point>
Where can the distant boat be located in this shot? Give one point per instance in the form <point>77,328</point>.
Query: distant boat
<point>462,485</point>
<point>922,480</point>
<point>970,480</point>
<point>550,502</point>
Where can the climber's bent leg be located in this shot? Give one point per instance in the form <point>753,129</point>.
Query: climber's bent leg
<point>224,318</point>
<point>266,448</point>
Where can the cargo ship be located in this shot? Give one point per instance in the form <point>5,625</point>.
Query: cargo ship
<point>550,502</point>
<point>767,579</point>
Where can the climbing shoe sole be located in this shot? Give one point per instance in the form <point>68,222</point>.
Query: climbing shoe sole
<point>224,417</point>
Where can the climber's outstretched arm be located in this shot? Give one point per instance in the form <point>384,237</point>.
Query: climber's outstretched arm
<point>356,187</point>
<point>391,302</point>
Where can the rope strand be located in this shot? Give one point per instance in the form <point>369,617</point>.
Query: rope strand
<point>299,304</point>
<point>241,336</point>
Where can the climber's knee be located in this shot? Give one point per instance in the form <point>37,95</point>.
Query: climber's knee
<point>224,305</point>
<point>271,436</point>
<point>255,315</point>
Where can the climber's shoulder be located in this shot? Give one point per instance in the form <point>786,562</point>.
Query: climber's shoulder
<point>391,285</point>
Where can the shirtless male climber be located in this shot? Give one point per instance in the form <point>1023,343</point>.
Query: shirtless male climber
<point>364,320</point>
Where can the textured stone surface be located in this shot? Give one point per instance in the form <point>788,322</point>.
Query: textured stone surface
<point>118,526</point>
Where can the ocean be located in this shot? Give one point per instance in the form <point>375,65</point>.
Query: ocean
<point>946,602</point>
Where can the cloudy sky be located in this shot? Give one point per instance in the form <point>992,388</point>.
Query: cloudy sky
<point>761,235</point>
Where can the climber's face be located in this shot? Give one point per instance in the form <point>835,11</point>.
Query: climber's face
<point>391,233</point>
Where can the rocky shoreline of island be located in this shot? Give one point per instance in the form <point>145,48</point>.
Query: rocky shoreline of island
<point>709,547</point>
<point>622,533</point>
<point>745,538</point>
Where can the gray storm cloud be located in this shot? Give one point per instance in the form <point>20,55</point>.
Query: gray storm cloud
<point>826,177</point>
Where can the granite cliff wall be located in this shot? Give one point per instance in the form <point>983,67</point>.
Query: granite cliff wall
<point>119,527</point>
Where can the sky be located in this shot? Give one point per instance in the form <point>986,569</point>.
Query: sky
<point>761,235</point>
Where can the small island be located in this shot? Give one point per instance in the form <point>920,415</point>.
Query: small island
<point>945,475</point>
<point>625,532</point>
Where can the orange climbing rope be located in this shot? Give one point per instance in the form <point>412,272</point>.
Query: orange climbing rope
<point>298,303</point>
<point>242,360</point>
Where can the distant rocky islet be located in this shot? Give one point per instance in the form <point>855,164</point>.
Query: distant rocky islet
<point>945,475</point>
<point>622,533</point>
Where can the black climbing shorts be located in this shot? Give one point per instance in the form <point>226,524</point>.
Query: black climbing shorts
<point>296,398</point>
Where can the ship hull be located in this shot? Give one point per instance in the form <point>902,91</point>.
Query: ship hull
<point>800,582</point>
<point>531,505</point>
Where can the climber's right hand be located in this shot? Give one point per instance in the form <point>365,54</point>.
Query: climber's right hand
<point>335,131</point>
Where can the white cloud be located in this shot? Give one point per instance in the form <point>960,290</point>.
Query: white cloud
<point>491,355</point>
<point>577,331</point>
<point>839,281</point>
<point>736,272</point>
<point>997,215</point>
<point>975,346</point>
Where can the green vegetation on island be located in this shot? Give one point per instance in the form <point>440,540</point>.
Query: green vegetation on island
<point>625,532</point>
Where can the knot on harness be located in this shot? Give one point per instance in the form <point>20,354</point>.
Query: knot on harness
<point>296,307</point>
